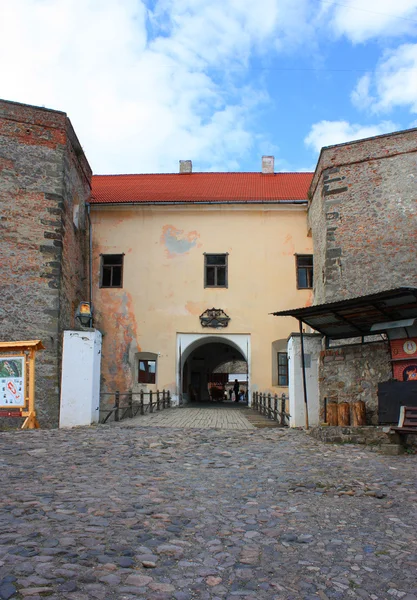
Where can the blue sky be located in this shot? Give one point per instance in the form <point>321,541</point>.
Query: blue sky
<point>221,82</point>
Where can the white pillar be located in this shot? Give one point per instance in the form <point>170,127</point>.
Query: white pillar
<point>312,347</point>
<point>80,379</point>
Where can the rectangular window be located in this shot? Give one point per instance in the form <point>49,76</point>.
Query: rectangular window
<point>215,270</point>
<point>111,270</point>
<point>282,368</point>
<point>147,371</point>
<point>304,271</point>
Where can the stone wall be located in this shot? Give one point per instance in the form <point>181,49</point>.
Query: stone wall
<point>352,373</point>
<point>362,216</point>
<point>74,270</point>
<point>42,255</point>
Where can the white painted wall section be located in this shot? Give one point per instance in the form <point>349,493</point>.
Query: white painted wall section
<point>312,348</point>
<point>80,380</point>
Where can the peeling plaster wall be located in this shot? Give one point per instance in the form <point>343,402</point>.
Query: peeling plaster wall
<point>163,282</point>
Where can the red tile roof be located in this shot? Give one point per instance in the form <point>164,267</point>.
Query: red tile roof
<point>200,187</point>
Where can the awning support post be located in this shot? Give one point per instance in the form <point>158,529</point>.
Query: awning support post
<point>303,368</point>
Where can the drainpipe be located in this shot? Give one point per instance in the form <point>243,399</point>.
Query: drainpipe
<point>90,260</point>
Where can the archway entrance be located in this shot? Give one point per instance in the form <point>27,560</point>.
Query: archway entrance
<point>208,366</point>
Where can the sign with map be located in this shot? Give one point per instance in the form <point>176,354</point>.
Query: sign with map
<point>12,381</point>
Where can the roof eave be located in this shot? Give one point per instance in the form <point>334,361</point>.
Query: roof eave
<point>188,202</point>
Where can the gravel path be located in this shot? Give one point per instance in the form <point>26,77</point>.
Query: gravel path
<point>115,512</point>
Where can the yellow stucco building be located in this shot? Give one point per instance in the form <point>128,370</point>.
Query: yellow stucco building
<point>169,248</point>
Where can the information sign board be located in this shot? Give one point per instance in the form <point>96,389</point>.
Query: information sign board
<point>17,380</point>
<point>12,381</point>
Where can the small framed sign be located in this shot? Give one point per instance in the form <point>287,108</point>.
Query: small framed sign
<point>17,381</point>
<point>12,382</point>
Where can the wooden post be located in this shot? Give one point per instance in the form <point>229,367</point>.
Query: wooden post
<point>269,405</point>
<point>116,406</point>
<point>358,413</point>
<point>169,399</point>
<point>332,414</point>
<point>32,389</point>
<point>343,413</point>
<point>275,407</point>
<point>150,402</point>
<point>163,399</point>
<point>130,403</point>
<point>142,409</point>
<point>31,422</point>
<point>157,400</point>
<point>283,409</point>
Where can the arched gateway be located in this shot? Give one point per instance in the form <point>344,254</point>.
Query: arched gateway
<point>200,356</point>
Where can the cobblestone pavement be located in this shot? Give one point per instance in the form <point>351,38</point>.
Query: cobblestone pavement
<point>112,512</point>
<point>204,417</point>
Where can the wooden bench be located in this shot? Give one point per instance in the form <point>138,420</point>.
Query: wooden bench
<point>407,422</point>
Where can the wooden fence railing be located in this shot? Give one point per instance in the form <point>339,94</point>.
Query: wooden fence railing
<point>272,406</point>
<point>129,404</point>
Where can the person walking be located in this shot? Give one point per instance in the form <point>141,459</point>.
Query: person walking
<point>236,390</point>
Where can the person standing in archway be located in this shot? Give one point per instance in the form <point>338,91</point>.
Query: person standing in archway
<point>236,390</point>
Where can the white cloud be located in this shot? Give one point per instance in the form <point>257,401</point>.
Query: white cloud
<point>360,22</point>
<point>146,87</point>
<point>396,79</point>
<point>148,84</point>
<point>360,96</point>
<point>394,83</point>
<point>328,133</point>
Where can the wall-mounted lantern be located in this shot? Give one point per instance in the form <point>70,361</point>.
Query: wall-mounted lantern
<point>85,314</point>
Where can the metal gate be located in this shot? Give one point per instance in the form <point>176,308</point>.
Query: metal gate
<point>391,396</point>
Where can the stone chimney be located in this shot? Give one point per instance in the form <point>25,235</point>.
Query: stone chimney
<point>268,165</point>
<point>186,166</point>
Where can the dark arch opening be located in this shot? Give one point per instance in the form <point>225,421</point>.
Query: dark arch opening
<point>209,369</point>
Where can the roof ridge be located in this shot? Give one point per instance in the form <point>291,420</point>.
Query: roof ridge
<point>204,173</point>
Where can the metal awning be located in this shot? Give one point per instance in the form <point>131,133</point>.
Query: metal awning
<point>356,316</point>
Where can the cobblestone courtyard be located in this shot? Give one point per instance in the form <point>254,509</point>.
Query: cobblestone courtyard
<point>116,512</point>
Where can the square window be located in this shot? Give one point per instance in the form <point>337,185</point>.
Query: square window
<point>215,270</point>
<point>304,271</point>
<point>111,270</point>
<point>147,371</point>
<point>282,368</point>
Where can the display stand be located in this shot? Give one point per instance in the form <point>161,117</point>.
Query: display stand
<point>17,381</point>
